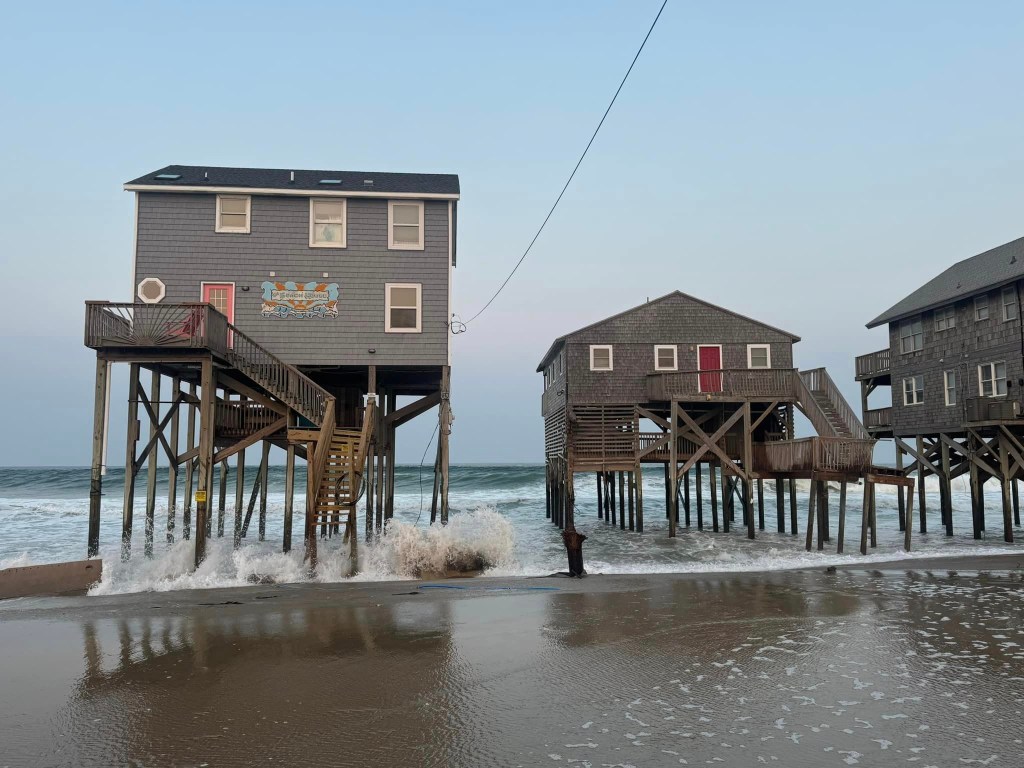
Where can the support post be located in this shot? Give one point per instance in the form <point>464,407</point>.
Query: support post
<point>129,461</point>
<point>760,504</point>
<point>792,507</point>
<point>841,533</point>
<point>673,452</point>
<point>99,426</point>
<point>780,505</point>
<point>699,491</point>
<point>1005,482</point>
<point>811,499</point>
<point>639,498</point>
<point>632,497</point>
<point>622,501</point>
<point>151,469</point>
<point>264,478</point>
<point>713,478</point>
<point>190,467</point>
<point>600,496</point>
<point>946,486</point>
<point>920,484</point>
<point>172,470</point>
<point>900,490</point>
<point>865,514</point>
<point>206,444</point>
<point>239,498</point>
<point>289,490</point>
<point>222,498</point>
<point>445,413</point>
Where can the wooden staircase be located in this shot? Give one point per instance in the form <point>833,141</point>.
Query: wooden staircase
<point>339,476</point>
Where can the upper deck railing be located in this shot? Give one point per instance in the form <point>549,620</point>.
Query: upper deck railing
<point>200,326</point>
<point>873,364</point>
<point>722,384</point>
<point>878,418</point>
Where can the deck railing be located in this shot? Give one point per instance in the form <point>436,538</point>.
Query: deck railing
<point>243,417</point>
<point>200,326</point>
<point>878,418</point>
<point>722,384</point>
<point>814,454</point>
<point>873,364</point>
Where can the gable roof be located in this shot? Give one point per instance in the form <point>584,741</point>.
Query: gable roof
<point>193,178</point>
<point>990,269</point>
<point>557,344</point>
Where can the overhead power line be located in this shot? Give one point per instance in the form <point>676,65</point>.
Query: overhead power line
<point>576,168</point>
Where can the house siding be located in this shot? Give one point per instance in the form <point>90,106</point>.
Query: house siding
<point>963,348</point>
<point>176,242</point>
<point>677,320</point>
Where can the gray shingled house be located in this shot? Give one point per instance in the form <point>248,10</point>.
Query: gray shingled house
<point>686,385</point>
<point>286,307</point>
<point>954,369</point>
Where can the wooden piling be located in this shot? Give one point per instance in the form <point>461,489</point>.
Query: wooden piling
<point>190,466</point>
<point>622,502</point>
<point>698,490</point>
<point>99,426</point>
<point>264,480</point>
<point>793,528</point>
<point>239,497</point>
<point>760,504</point>
<point>841,532</point>
<point>172,469</point>
<point>686,496</point>
<point>639,498</point>
<point>900,490</point>
<point>811,511</point>
<point>289,490</point>
<point>206,445</point>
<point>946,485</point>
<point>222,498</point>
<point>865,514</point>
<point>600,496</point>
<point>632,498</point>
<point>920,485</point>
<point>713,478</point>
<point>153,412</point>
<point>671,469</point>
<point>1005,487</point>
<point>780,505</point>
<point>129,461</point>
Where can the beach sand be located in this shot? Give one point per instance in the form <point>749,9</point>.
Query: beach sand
<point>874,667</point>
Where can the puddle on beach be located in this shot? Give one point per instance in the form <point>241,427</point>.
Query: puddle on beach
<point>794,669</point>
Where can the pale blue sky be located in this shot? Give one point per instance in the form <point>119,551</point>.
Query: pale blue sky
<point>807,163</point>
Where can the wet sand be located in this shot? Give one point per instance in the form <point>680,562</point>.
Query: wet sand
<point>875,667</point>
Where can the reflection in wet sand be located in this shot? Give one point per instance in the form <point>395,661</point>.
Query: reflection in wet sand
<point>793,669</point>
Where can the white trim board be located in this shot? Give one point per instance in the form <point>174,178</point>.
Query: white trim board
<point>286,192</point>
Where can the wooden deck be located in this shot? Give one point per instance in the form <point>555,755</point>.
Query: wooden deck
<point>873,365</point>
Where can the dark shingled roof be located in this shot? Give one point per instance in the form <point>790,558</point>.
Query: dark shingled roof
<point>985,271</point>
<point>556,345</point>
<point>279,178</point>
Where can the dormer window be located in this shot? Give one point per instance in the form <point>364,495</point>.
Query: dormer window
<point>600,357</point>
<point>233,214</point>
<point>327,223</point>
<point>405,225</point>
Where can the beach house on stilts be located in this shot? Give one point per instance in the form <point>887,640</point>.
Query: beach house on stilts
<point>686,387</point>
<point>271,307</point>
<point>954,375</point>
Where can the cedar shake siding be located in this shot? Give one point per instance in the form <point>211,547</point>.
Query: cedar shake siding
<point>177,242</point>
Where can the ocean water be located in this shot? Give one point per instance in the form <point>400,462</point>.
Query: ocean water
<point>497,514</point>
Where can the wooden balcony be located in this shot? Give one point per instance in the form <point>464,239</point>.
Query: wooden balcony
<point>873,365</point>
<point>840,455</point>
<point>878,419</point>
<point>766,384</point>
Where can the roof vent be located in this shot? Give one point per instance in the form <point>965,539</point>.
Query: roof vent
<point>368,182</point>
<point>1013,259</point>
<point>167,176</point>
<point>291,177</point>
<point>330,181</point>
<point>206,175</point>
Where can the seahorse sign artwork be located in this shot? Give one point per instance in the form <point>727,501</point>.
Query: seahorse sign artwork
<point>291,299</point>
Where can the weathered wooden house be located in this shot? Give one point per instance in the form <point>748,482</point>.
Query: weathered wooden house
<point>288,307</point>
<point>688,385</point>
<point>954,369</point>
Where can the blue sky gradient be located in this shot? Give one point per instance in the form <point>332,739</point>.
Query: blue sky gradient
<point>806,163</point>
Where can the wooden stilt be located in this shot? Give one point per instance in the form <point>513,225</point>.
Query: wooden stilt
<point>713,480</point>
<point>686,496</point>
<point>445,412</point>
<point>822,513</point>
<point>780,505</point>
<point>435,491</point>
<point>920,485</point>
<point>748,507</point>
<point>632,497</point>
<point>874,516</point>
<point>190,467</point>
<point>611,496</point>
<point>865,514</point>
<point>151,469</point>
<point>206,444</point>
<point>600,496</point>
<point>622,502</point>
<point>671,469</point>
<point>129,461</point>
<point>1005,484</point>
<point>793,528</point>
<point>977,491</point>
<point>811,511</point>
<point>379,431</point>
<point>900,490</point>
<point>826,522</point>
<point>698,489</point>
<point>946,486</point>
<point>760,504</point>
<point>240,497</point>
<point>264,478</point>
<point>99,426</point>
<point>668,490</point>
<point>172,469</point>
<point>910,512</point>
<point>289,490</point>
<point>841,533</point>
<point>222,498</point>
<point>1016,502</point>
<point>639,498</point>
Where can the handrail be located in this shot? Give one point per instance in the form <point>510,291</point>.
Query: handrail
<point>818,380</point>
<point>200,325</point>
<point>812,410</point>
<point>322,451</point>
<point>878,417</point>
<point>873,363</point>
<point>768,383</point>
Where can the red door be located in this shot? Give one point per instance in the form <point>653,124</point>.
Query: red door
<point>222,296</point>
<point>710,359</point>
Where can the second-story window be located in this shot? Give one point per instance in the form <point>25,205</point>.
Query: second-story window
<point>911,336</point>
<point>405,225</point>
<point>403,310</point>
<point>327,223</point>
<point>949,384</point>
<point>981,308</point>
<point>665,357</point>
<point>233,214</point>
<point>913,390</point>
<point>759,356</point>
<point>992,379</point>
<point>945,318</point>
<point>1009,304</point>
<point>600,357</point>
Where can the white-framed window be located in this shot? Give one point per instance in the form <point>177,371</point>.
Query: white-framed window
<point>759,356</point>
<point>1010,309</point>
<point>601,357</point>
<point>403,310</point>
<point>233,214</point>
<point>980,308</point>
<point>913,390</point>
<point>561,363</point>
<point>945,318</point>
<point>911,336</point>
<point>666,357</point>
<point>949,386</point>
<point>992,379</point>
<point>405,225</point>
<point>327,225</point>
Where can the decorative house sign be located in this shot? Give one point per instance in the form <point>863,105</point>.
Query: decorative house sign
<point>291,299</point>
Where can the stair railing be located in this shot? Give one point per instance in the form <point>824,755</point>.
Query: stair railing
<point>818,380</point>
<point>811,409</point>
